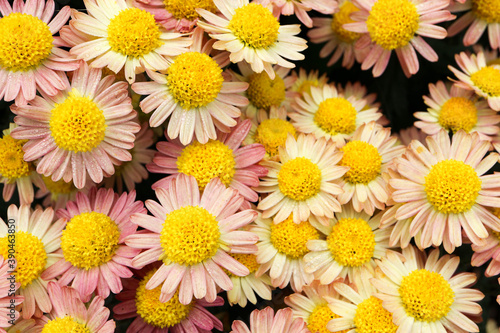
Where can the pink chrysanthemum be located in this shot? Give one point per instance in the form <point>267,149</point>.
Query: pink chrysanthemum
<point>409,134</point>
<point>487,251</point>
<point>192,234</point>
<point>94,256</point>
<point>9,302</point>
<point>81,130</point>
<point>304,80</point>
<point>300,8</point>
<point>265,321</point>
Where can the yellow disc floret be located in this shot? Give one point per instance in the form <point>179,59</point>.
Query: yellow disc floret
<point>291,238</point>
<point>194,80</point>
<point>156,313</point>
<point>90,240</point>
<point>29,253</point>
<point>487,79</point>
<point>319,318</point>
<point>25,42</point>
<point>207,161</point>
<point>487,10</point>
<point>392,23</point>
<point>190,235</point>
<point>134,33</point>
<point>336,116</point>
<point>59,187</point>
<point>426,296</point>
<point>12,164</point>
<point>458,113</point>
<point>452,186</point>
<point>351,242</point>
<point>77,124</point>
<point>299,179</point>
<point>343,16</point>
<point>65,324</point>
<point>255,26</point>
<point>186,9</point>
<point>249,260</point>
<point>371,317</point>
<point>364,161</point>
<point>264,92</point>
<point>272,133</point>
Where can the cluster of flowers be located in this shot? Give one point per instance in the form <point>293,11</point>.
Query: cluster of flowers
<point>274,178</point>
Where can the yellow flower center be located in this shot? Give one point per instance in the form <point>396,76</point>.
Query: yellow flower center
<point>156,313</point>
<point>207,161</point>
<point>392,23</point>
<point>134,33</point>
<point>249,260</point>
<point>90,240</point>
<point>487,10</point>
<point>190,235</point>
<point>12,164</point>
<point>487,79</point>
<point>319,318</point>
<point>264,92</point>
<point>452,186</point>
<point>426,296</point>
<point>342,17</point>
<point>77,124</point>
<point>59,187</point>
<point>186,9</point>
<point>25,42</point>
<point>299,179</point>
<point>194,80</point>
<point>244,26</point>
<point>351,242</point>
<point>371,317</point>
<point>305,87</point>
<point>291,238</point>
<point>336,116</point>
<point>458,113</point>
<point>65,324</point>
<point>272,133</point>
<point>496,234</point>
<point>364,161</point>
<point>29,253</point>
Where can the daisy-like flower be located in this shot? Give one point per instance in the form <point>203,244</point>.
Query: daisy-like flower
<point>359,91</point>
<point>154,316</point>
<point>236,167</point>
<point>339,41</point>
<point>123,36</point>
<point>265,321</point>
<point>194,93</point>
<point>353,241</point>
<point>70,314</point>
<point>57,194</point>
<point>490,250</point>
<point>94,256</point>
<point>477,75</point>
<point>326,113</point>
<point>305,80</point>
<point>261,45</point>
<point>300,8</point>
<point>31,59</point>
<point>368,154</point>
<point>456,109</point>
<point>424,296</point>
<point>15,171</point>
<point>8,286</point>
<point>302,182</point>
<point>444,189</point>
<point>192,233</point>
<point>36,240</point>
<point>407,135</point>
<point>398,25</point>
<point>75,132</point>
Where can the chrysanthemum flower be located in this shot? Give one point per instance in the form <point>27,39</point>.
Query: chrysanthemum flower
<point>15,171</point>
<point>305,80</point>
<point>75,132</point>
<point>261,45</point>
<point>424,296</point>
<point>302,182</point>
<point>36,241</point>
<point>194,93</point>
<point>359,91</point>
<point>57,194</point>
<point>353,241</point>
<point>477,75</point>
<point>326,113</point>
<point>300,8</point>
<point>21,325</point>
<point>398,25</point>
<point>444,189</point>
<point>265,321</point>
<point>368,154</point>
<point>154,316</point>
<point>237,167</point>
<point>490,250</point>
<point>31,59</point>
<point>407,135</point>
<point>192,234</point>
<point>94,256</point>
<point>70,314</point>
<point>8,286</point>
<point>123,36</point>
